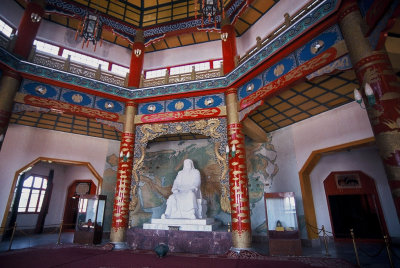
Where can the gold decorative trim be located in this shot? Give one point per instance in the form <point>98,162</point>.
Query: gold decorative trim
<point>206,127</point>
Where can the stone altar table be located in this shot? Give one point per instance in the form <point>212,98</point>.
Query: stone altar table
<point>205,225</point>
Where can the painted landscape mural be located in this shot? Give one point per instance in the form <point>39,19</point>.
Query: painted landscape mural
<point>163,160</point>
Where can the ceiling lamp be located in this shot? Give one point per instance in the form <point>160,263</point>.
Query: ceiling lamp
<point>90,30</point>
<point>209,9</point>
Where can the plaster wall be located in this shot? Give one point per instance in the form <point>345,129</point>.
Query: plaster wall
<point>364,159</point>
<point>24,144</point>
<point>272,20</point>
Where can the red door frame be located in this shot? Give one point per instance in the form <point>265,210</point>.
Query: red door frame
<point>367,188</point>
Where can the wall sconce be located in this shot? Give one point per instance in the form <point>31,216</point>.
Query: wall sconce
<point>224,36</point>
<point>124,157</point>
<point>137,52</point>
<point>370,96</point>
<point>35,17</point>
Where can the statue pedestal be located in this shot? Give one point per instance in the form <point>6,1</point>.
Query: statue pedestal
<point>205,225</point>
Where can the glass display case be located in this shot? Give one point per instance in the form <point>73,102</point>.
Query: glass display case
<point>282,224</point>
<point>90,219</point>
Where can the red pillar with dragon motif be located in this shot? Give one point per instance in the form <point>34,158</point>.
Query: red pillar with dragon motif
<point>229,51</point>
<point>137,58</point>
<point>374,68</point>
<point>120,216</point>
<point>238,180</point>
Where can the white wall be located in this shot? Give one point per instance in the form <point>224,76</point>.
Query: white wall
<point>338,126</point>
<point>24,144</point>
<point>268,23</point>
<point>364,159</point>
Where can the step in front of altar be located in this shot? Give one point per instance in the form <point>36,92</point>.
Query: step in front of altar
<point>204,225</point>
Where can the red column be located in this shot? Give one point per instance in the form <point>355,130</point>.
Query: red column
<point>28,28</point>
<point>374,67</point>
<point>122,190</point>
<point>136,67</point>
<point>238,180</point>
<point>228,46</point>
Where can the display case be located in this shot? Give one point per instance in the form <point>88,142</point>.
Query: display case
<point>282,224</point>
<point>90,219</point>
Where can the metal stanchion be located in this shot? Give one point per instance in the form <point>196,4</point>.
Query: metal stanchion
<point>59,233</point>
<point>12,236</point>
<point>325,241</point>
<point>388,250</point>
<point>355,247</point>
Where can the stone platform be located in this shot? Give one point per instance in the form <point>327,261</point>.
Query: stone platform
<point>205,225</point>
<point>215,242</point>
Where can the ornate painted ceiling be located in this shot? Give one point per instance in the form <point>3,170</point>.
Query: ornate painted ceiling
<point>171,23</point>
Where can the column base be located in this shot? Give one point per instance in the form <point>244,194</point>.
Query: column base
<point>243,253</point>
<point>120,245</point>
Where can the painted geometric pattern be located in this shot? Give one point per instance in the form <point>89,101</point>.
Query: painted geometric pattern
<point>70,96</point>
<point>300,56</point>
<point>309,20</point>
<point>209,101</point>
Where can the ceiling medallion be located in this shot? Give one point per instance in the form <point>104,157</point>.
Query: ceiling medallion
<point>279,69</point>
<point>41,90</point>
<point>179,105</point>
<point>208,101</point>
<point>250,87</point>
<point>109,105</point>
<point>77,98</point>
<point>209,9</point>
<point>317,46</point>
<point>90,30</point>
<point>151,108</point>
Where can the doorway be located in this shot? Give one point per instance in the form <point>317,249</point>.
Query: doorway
<point>354,212</point>
<point>353,203</point>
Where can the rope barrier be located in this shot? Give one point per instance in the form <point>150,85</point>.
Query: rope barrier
<point>372,255</point>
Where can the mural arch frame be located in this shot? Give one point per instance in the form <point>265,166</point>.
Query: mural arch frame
<point>214,128</point>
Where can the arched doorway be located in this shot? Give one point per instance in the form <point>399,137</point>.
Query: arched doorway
<point>11,213</point>
<point>353,203</point>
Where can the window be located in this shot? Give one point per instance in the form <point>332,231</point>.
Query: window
<point>155,73</point>
<point>5,28</point>
<point>45,47</point>
<point>119,70</point>
<point>33,190</point>
<point>188,68</point>
<point>217,64</point>
<point>80,58</point>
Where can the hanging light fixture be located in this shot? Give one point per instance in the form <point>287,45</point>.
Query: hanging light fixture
<point>90,30</point>
<point>209,10</point>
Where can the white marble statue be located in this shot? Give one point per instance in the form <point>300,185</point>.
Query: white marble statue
<point>186,201</point>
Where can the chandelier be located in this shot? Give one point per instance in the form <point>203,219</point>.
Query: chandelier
<point>209,10</point>
<point>90,30</point>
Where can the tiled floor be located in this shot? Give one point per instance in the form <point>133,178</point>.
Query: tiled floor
<point>335,249</point>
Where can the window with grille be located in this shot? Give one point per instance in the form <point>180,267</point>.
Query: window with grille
<point>80,58</point>
<point>45,47</point>
<point>32,194</point>
<point>5,28</point>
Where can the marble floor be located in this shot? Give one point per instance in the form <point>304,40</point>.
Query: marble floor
<point>343,250</point>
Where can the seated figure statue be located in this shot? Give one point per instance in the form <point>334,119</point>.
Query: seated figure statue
<point>186,201</point>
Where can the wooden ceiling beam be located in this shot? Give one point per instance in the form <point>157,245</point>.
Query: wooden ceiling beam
<point>254,131</point>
